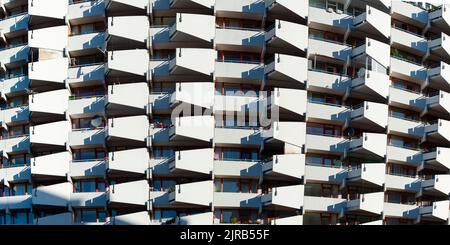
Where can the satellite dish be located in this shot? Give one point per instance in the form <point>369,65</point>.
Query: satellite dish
<point>350,132</point>
<point>96,121</point>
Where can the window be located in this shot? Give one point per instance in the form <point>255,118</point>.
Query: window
<point>324,129</point>
<point>20,189</point>
<point>230,154</point>
<point>89,185</point>
<point>407,86</point>
<point>163,54</point>
<point>2,217</point>
<point>328,219</point>
<point>404,114</point>
<point>87,60</point>
<point>88,91</point>
<point>161,152</point>
<point>241,216</point>
<point>244,57</point>
<point>400,197</point>
<point>88,28</point>
<point>329,190</point>
<point>233,185</point>
<point>401,170</point>
<point>89,215</point>
<point>164,184</point>
<point>85,123</point>
<point>232,121</point>
<point>237,89</point>
<point>326,161</point>
<point>162,121</point>
<point>88,154</point>
<point>324,99</point>
<point>402,142</point>
<point>19,160</point>
<point>21,217</point>
<point>4,190</point>
<point>237,23</point>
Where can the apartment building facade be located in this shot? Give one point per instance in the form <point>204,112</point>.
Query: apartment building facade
<point>271,112</point>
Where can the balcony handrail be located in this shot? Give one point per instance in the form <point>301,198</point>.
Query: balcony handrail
<point>24,106</point>
<point>14,76</point>
<point>13,136</point>
<point>405,175</point>
<point>404,118</point>
<point>406,60</point>
<point>410,32</point>
<point>88,129</point>
<point>160,59</point>
<point>89,160</point>
<point>7,165</point>
<point>329,72</point>
<point>13,46</point>
<point>81,1</point>
<point>404,89</point>
<point>85,65</point>
<point>229,159</point>
<point>406,147</point>
<point>80,34</point>
<point>240,62</point>
<point>73,97</point>
<point>327,135</point>
<point>13,16</point>
<point>325,166</point>
<point>329,104</point>
<point>330,41</point>
<point>239,28</point>
<point>256,128</point>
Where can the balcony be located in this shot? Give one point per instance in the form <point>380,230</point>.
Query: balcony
<point>192,162</point>
<point>370,146</point>
<point>125,7</point>
<point>440,18</point>
<point>128,131</point>
<point>120,103</point>
<point>88,199</point>
<point>47,13</point>
<point>14,85</point>
<point>159,103</point>
<point>371,203</point>
<point>49,137</point>
<point>38,39</point>
<point>57,195</point>
<point>441,47</point>
<point>206,5</point>
<point>321,81</point>
<point>247,103</point>
<point>325,174</point>
<point>287,10</point>
<point>236,200</point>
<point>87,137</point>
<point>406,99</point>
<point>14,25</point>
<point>127,65</point>
<point>327,113</point>
<point>439,105</point>
<point>438,211</point>
<point>138,218</point>
<point>87,10</point>
<point>86,75</point>
<point>129,194</point>
<point>14,55</point>
<point>370,116</point>
<point>404,211</point>
<point>408,70</point>
<point>15,144</point>
<point>373,49</point>
<point>48,106</point>
<point>186,63</point>
<point>409,41</point>
<point>228,71</point>
<point>86,44</point>
<point>87,168</point>
<point>403,155</point>
<point>187,194</point>
<point>281,135</point>
<point>325,144</point>
<point>439,77</point>
<point>253,9</point>
<point>438,132</point>
<point>14,115</point>
<point>193,30</point>
<point>323,204</point>
<point>371,85</point>
<point>238,136</point>
<point>437,159</point>
<point>285,197</point>
<point>240,39</point>
<point>57,219</point>
<point>13,174</point>
<point>402,183</point>
<point>86,106</point>
<point>237,168</point>
<point>287,38</point>
<point>193,129</point>
<point>437,186</point>
<point>292,220</point>
<point>197,94</point>
<point>41,78</point>
<point>54,165</point>
<point>368,173</point>
<point>406,127</point>
<point>289,103</point>
<point>280,72</point>
<point>331,20</point>
<point>373,21</point>
<point>120,36</point>
<point>329,49</point>
<point>15,202</point>
<point>119,163</point>
<point>409,13</point>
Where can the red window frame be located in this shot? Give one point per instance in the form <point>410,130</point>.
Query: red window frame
<point>97,181</point>
<point>96,153</point>
<point>80,212</point>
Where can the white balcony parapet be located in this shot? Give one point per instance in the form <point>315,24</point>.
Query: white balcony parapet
<point>199,94</point>
<point>86,9</point>
<point>55,133</point>
<point>439,105</point>
<point>287,37</point>
<point>439,77</point>
<point>281,71</point>
<point>372,173</point>
<point>370,115</point>
<point>282,132</point>
<point>441,46</point>
<point>288,165</point>
<point>119,102</point>
<point>369,202</point>
<point>195,28</point>
<point>369,145</point>
<point>374,21</point>
<point>439,185</point>
<point>183,161</point>
<point>437,211</point>
<point>289,10</point>
<point>52,195</point>
<point>128,63</point>
<point>437,159</point>
<point>200,128</point>
<point>290,197</point>
<point>43,11</point>
<point>138,218</point>
<point>186,194</point>
<point>438,132</point>
<point>282,100</point>
<point>120,194</point>
<point>371,84</point>
<point>39,38</point>
<point>118,161</point>
<point>87,106</point>
<point>119,35</point>
<point>131,129</point>
<point>56,164</point>
<point>374,49</point>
